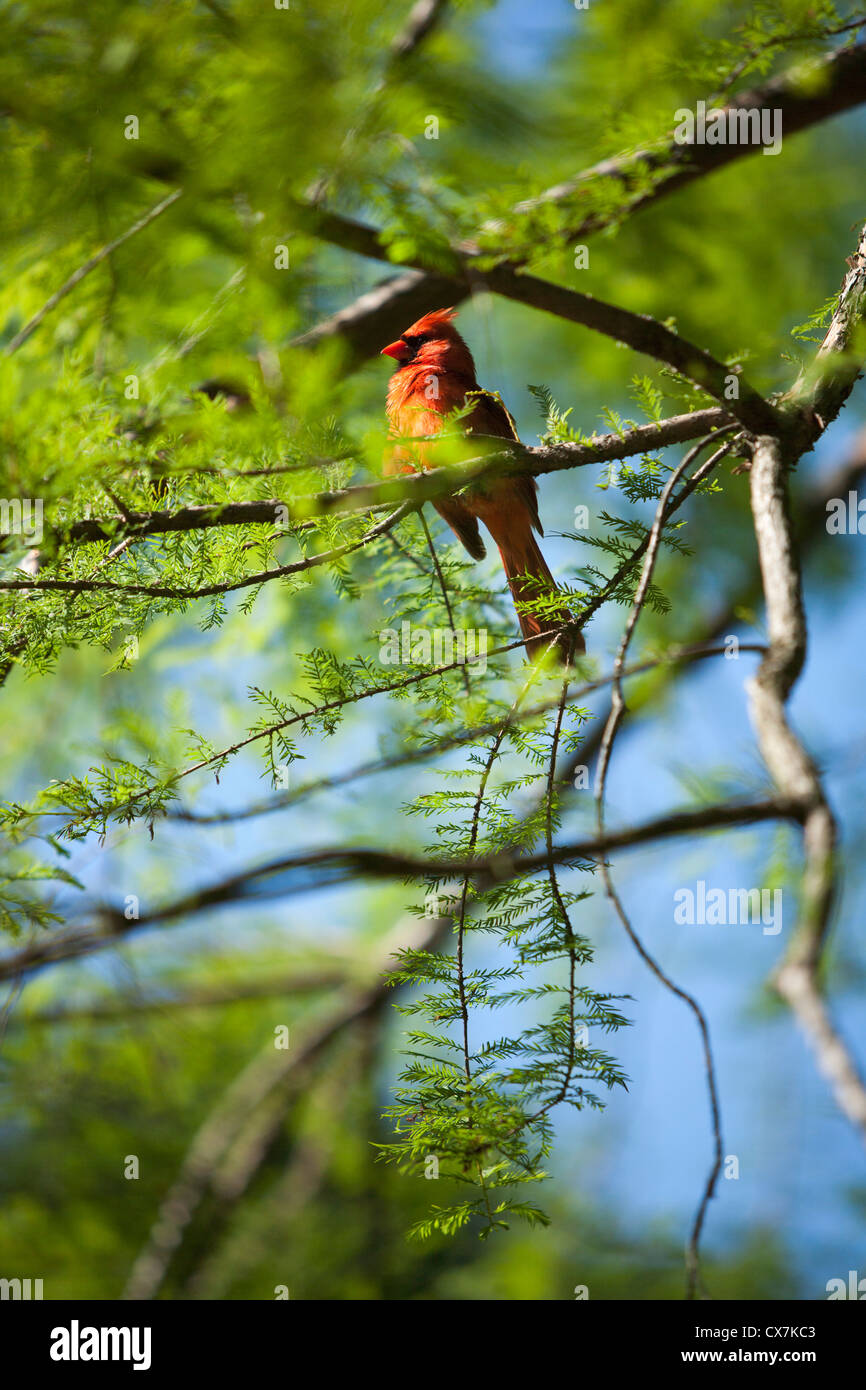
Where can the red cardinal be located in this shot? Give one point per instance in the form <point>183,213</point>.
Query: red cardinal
<point>436,374</point>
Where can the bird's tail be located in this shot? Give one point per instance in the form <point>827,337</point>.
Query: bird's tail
<point>529,579</point>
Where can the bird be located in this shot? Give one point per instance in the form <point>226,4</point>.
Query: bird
<point>435,375</point>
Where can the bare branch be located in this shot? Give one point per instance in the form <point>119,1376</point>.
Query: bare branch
<point>820,395</point>
<point>795,774</point>
<point>422,20</point>
<point>643,334</point>
<point>304,981</point>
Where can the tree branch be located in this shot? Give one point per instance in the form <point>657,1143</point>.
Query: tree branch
<point>422,19</point>
<point>324,868</point>
<point>790,766</point>
<point>837,83</point>
<point>795,774</point>
<point>377,316</point>
<point>325,557</point>
<point>639,331</point>
<point>699,652</point>
<point>414,488</point>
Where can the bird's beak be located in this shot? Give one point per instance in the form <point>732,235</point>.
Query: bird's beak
<point>399,351</point>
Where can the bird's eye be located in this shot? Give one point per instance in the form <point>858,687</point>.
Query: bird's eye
<point>413,341</point>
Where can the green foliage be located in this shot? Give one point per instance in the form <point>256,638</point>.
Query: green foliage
<point>171,377</point>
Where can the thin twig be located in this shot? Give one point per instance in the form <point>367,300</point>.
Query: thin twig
<point>325,557</point>
<point>445,599</point>
<point>613,723</point>
<point>84,270</point>
<point>697,652</point>
<point>331,866</point>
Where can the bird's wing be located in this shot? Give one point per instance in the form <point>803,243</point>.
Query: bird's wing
<point>410,413</point>
<point>490,415</point>
<point>463,524</point>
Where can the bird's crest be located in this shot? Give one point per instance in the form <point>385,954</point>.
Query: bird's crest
<point>429,323</point>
